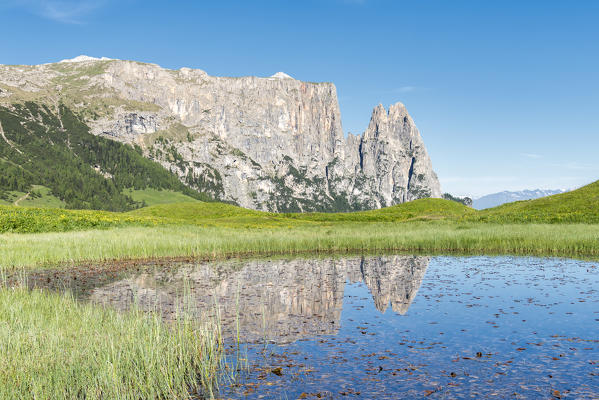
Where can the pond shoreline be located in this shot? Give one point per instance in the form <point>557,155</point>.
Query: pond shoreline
<point>126,263</point>
<point>140,244</point>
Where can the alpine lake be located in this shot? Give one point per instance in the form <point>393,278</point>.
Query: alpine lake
<point>384,327</point>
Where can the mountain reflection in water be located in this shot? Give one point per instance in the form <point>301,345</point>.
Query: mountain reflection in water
<point>280,300</point>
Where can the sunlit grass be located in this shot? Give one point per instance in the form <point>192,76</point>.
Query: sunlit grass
<point>30,219</point>
<point>577,206</point>
<point>54,347</point>
<point>214,242</point>
<point>154,196</point>
<point>565,224</point>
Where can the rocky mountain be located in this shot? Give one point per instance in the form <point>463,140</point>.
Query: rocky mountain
<point>496,199</point>
<point>271,143</point>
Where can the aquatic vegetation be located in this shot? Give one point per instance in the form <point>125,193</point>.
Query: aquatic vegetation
<point>384,326</point>
<point>55,347</point>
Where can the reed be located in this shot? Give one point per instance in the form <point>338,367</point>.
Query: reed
<point>49,249</point>
<point>54,347</point>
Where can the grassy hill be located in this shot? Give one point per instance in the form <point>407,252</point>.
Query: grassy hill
<point>38,196</point>
<point>19,219</point>
<point>200,212</point>
<point>578,206</point>
<point>562,225</point>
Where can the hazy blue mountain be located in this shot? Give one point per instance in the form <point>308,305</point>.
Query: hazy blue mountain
<point>496,199</point>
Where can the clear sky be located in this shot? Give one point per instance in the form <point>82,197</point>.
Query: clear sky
<point>505,93</point>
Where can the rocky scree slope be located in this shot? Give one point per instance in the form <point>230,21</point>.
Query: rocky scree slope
<point>272,143</point>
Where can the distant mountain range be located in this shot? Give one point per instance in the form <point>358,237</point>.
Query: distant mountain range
<point>496,199</point>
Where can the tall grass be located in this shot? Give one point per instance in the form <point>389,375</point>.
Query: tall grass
<point>53,347</point>
<point>214,242</point>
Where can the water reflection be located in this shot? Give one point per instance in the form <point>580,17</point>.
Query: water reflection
<point>477,327</point>
<point>281,300</point>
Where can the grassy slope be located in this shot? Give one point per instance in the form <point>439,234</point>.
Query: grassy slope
<point>577,206</point>
<point>423,209</point>
<point>43,199</point>
<point>153,197</point>
<point>47,200</point>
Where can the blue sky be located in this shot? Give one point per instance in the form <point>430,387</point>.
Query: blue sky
<point>505,93</point>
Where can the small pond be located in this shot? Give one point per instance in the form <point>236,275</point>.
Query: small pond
<point>382,327</point>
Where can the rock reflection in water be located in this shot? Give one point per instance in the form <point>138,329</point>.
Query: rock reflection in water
<point>281,300</point>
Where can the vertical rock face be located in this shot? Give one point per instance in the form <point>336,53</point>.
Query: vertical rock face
<point>272,143</point>
<point>394,158</point>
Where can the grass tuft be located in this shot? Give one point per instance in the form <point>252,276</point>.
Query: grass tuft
<point>54,347</point>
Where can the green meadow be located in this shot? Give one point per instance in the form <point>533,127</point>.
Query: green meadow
<point>151,197</point>
<point>214,242</point>
<point>566,224</point>
<point>562,225</point>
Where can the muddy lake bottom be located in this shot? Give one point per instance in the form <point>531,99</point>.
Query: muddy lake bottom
<point>381,327</point>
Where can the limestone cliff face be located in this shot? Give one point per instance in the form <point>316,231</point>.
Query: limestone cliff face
<point>394,158</point>
<point>265,143</point>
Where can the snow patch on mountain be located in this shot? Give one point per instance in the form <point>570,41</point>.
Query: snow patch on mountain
<point>84,58</point>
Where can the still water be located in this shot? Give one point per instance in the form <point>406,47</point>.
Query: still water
<point>383,327</point>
